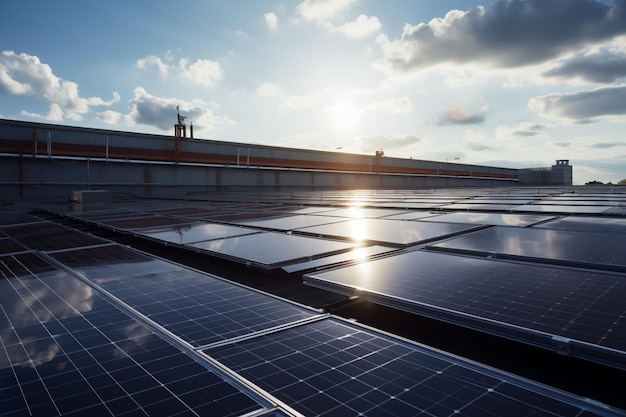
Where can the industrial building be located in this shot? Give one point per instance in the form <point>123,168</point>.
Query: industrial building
<point>558,174</point>
<point>154,275</point>
<point>41,160</point>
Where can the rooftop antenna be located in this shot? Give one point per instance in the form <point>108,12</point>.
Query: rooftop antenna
<point>180,128</point>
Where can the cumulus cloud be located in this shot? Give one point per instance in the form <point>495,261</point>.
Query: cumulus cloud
<point>370,144</point>
<point>271,20</point>
<point>202,72</point>
<point>598,68</point>
<point>582,106</point>
<point>330,14</point>
<point>396,105</point>
<point>25,74</point>
<point>153,61</point>
<point>323,10</point>
<point>160,112</point>
<point>505,34</point>
<point>362,27</point>
<point>523,129</point>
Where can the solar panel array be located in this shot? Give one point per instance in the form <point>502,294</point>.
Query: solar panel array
<point>92,327</point>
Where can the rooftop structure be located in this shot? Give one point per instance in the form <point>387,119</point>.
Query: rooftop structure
<point>558,174</point>
<point>372,302</point>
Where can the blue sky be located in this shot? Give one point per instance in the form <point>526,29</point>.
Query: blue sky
<point>505,83</point>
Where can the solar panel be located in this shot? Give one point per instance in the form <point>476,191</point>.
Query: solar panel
<point>271,250</point>
<point>358,254</point>
<point>196,232</point>
<point>587,224</point>
<point>291,222</point>
<point>362,212</point>
<point>411,215</point>
<point>541,305</point>
<point>592,250</point>
<point>563,209</point>
<point>478,207</point>
<point>198,308</point>
<point>381,231</point>
<point>489,218</point>
<point>49,236</point>
<point>66,350</point>
<point>335,368</point>
<point>8,245</point>
<point>16,217</point>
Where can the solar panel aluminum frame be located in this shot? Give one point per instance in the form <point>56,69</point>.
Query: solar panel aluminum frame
<point>558,344</point>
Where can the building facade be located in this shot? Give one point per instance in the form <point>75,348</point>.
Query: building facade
<point>558,174</point>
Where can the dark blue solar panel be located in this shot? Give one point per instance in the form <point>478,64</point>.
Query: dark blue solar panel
<point>382,231</point>
<point>333,368</point>
<point>596,250</point>
<point>196,232</point>
<point>513,299</point>
<point>66,350</point>
<point>587,224</point>
<point>49,236</point>
<point>9,245</point>
<point>506,219</point>
<point>197,307</point>
<point>270,250</point>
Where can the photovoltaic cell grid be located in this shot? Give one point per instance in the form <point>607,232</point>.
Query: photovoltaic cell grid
<point>516,300</point>
<point>334,368</point>
<point>66,350</point>
<point>530,400</point>
<point>49,236</point>
<point>594,250</point>
<point>196,307</point>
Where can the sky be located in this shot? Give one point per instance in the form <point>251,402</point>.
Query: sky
<point>507,83</point>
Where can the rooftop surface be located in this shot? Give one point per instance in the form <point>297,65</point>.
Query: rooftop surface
<point>396,302</point>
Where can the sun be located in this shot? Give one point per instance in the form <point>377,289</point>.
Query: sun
<point>344,116</point>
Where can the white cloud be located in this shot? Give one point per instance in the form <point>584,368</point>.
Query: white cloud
<point>160,112</point>
<point>202,72</point>
<point>362,27</point>
<point>55,114</point>
<point>271,20</point>
<point>153,60</point>
<point>323,10</point>
<point>25,74</point>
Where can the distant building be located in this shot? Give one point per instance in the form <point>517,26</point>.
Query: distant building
<point>558,174</point>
